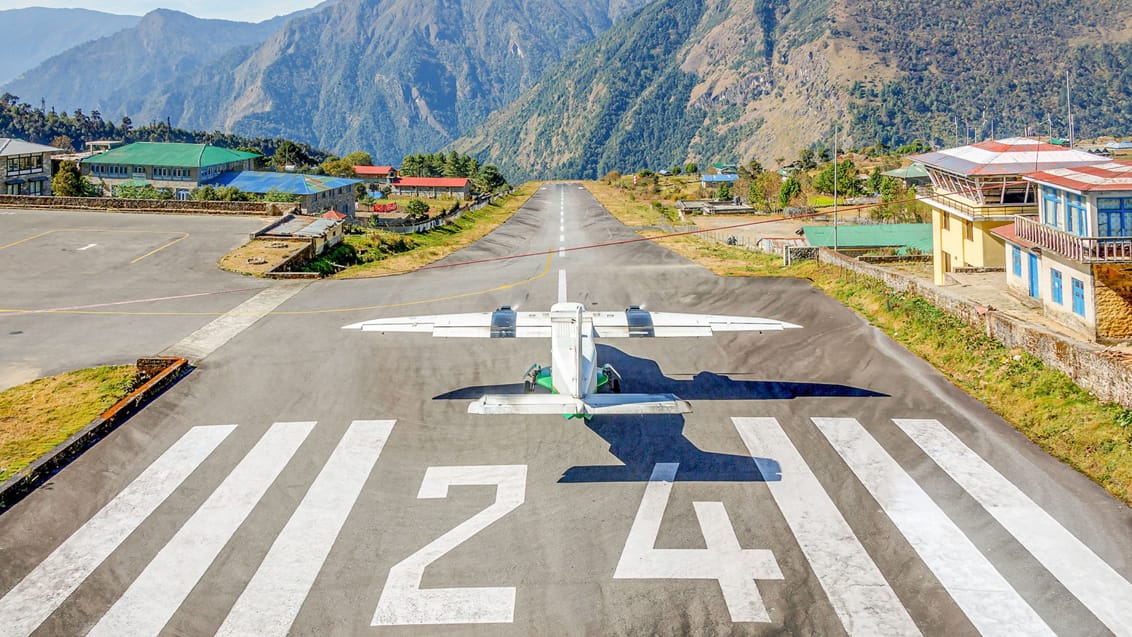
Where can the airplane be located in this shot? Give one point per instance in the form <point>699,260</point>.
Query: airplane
<point>575,378</point>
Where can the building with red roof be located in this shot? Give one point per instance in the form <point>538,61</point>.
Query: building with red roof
<point>979,187</point>
<point>1074,254</point>
<point>333,215</point>
<point>433,187</point>
<point>383,175</point>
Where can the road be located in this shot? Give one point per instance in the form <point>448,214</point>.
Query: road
<point>316,481</point>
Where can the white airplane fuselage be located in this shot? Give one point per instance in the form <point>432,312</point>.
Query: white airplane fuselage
<point>574,369</point>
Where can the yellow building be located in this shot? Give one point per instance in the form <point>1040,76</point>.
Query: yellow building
<point>978,188</point>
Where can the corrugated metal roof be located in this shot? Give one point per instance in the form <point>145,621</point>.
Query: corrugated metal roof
<point>432,182</point>
<point>377,171</point>
<point>1113,175</point>
<point>317,228</point>
<point>170,154</point>
<point>12,146</point>
<point>915,171</point>
<point>897,235</point>
<point>1012,156</point>
<point>717,178</point>
<point>264,182</point>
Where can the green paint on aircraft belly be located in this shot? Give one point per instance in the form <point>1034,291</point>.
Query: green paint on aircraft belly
<point>546,379</point>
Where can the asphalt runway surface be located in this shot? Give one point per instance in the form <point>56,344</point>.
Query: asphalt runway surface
<point>130,285</point>
<point>309,480</point>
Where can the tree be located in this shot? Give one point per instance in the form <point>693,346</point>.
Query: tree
<point>846,179</point>
<point>764,190</point>
<point>359,158</point>
<point>63,142</point>
<point>691,169</point>
<point>724,191</point>
<point>337,167</point>
<point>490,179</point>
<point>289,154</point>
<point>806,159</point>
<point>361,191</point>
<point>417,209</point>
<point>791,189</point>
<point>68,182</point>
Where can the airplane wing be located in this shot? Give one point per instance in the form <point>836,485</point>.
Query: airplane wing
<point>638,323</point>
<point>502,323</point>
<point>591,405</point>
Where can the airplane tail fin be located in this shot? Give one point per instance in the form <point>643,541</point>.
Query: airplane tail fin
<point>591,405</point>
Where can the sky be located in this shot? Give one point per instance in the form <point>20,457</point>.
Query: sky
<point>243,10</point>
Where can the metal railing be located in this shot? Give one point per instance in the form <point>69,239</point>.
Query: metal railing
<point>947,202</point>
<point>1081,249</point>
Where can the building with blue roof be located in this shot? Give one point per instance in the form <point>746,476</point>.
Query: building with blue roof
<point>712,181</point>
<point>316,193</point>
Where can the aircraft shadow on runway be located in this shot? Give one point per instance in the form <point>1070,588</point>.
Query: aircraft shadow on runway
<point>642,441</point>
<point>643,376</point>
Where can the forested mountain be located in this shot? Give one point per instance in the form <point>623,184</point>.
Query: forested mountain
<point>123,74</point>
<point>732,80</point>
<point>391,77</point>
<point>34,34</point>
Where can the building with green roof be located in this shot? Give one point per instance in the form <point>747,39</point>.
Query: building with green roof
<point>178,167</point>
<point>914,238</point>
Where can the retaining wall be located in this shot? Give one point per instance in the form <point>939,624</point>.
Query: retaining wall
<point>167,206</point>
<point>1107,377</point>
<point>159,374</point>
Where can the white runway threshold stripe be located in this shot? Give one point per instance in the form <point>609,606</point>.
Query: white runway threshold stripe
<point>271,601</point>
<point>39,593</point>
<point>158,592</point>
<point>858,592</point>
<point>213,336</point>
<point>984,595</point>
<point>1100,588</point>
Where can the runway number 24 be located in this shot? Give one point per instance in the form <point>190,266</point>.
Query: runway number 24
<point>404,602</point>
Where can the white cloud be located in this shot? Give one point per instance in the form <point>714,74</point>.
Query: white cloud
<point>247,10</point>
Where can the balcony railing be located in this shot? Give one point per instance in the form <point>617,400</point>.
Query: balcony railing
<point>1081,249</point>
<point>975,212</point>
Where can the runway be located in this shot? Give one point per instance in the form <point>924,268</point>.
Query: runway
<point>309,480</point>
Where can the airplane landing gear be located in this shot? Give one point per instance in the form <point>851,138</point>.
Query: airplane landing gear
<point>530,378</point>
<point>614,378</point>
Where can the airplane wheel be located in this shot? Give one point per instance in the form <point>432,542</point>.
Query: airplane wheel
<point>615,385</point>
<point>528,387</point>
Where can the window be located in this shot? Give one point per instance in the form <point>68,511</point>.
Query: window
<point>1051,203</point>
<point>946,221</point>
<point>1079,297</point>
<point>35,188</point>
<point>1114,217</point>
<point>969,230</point>
<point>1076,214</point>
<point>1055,286</point>
<point>1017,260</point>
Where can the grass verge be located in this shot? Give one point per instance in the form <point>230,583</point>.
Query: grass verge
<point>427,247</point>
<point>37,416</point>
<point>1094,438</point>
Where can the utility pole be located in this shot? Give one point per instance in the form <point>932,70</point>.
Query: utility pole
<point>1069,107</point>
<point>835,187</point>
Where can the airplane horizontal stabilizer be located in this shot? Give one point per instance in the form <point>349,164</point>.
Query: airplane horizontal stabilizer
<point>592,405</point>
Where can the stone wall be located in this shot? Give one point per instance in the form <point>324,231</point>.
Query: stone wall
<point>1113,301</point>
<point>1107,377</point>
<point>167,206</point>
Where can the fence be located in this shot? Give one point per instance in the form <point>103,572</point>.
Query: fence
<point>1107,377</point>
<point>436,222</point>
